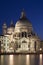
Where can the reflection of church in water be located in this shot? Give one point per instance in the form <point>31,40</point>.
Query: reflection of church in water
<point>21,36</point>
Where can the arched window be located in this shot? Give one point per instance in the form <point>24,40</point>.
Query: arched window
<point>29,34</point>
<point>24,34</point>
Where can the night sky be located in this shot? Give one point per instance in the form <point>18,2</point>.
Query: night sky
<point>11,10</point>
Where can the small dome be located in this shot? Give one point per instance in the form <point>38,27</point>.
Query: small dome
<point>11,28</point>
<point>4,25</point>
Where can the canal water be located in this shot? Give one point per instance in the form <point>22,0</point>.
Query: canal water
<point>21,59</point>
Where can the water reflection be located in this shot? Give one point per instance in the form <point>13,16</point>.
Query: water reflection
<point>2,60</point>
<point>27,59</point>
<point>21,59</point>
<point>11,62</point>
<point>40,59</point>
<point>32,60</point>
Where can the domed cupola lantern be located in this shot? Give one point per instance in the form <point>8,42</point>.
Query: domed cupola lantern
<point>23,15</point>
<point>12,24</point>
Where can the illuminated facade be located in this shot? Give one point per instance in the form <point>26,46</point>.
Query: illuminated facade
<point>20,38</point>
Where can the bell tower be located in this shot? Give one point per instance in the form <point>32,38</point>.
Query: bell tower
<point>4,28</point>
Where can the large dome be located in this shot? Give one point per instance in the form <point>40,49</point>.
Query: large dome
<point>23,22</point>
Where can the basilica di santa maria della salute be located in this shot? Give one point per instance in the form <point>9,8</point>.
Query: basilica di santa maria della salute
<point>19,37</point>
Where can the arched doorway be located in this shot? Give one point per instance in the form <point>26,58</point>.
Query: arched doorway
<point>24,44</point>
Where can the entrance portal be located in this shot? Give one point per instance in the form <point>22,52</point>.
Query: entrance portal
<point>24,45</point>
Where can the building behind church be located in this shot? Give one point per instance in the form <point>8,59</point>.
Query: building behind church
<point>19,37</point>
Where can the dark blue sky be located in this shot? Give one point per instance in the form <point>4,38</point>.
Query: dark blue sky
<point>11,9</point>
